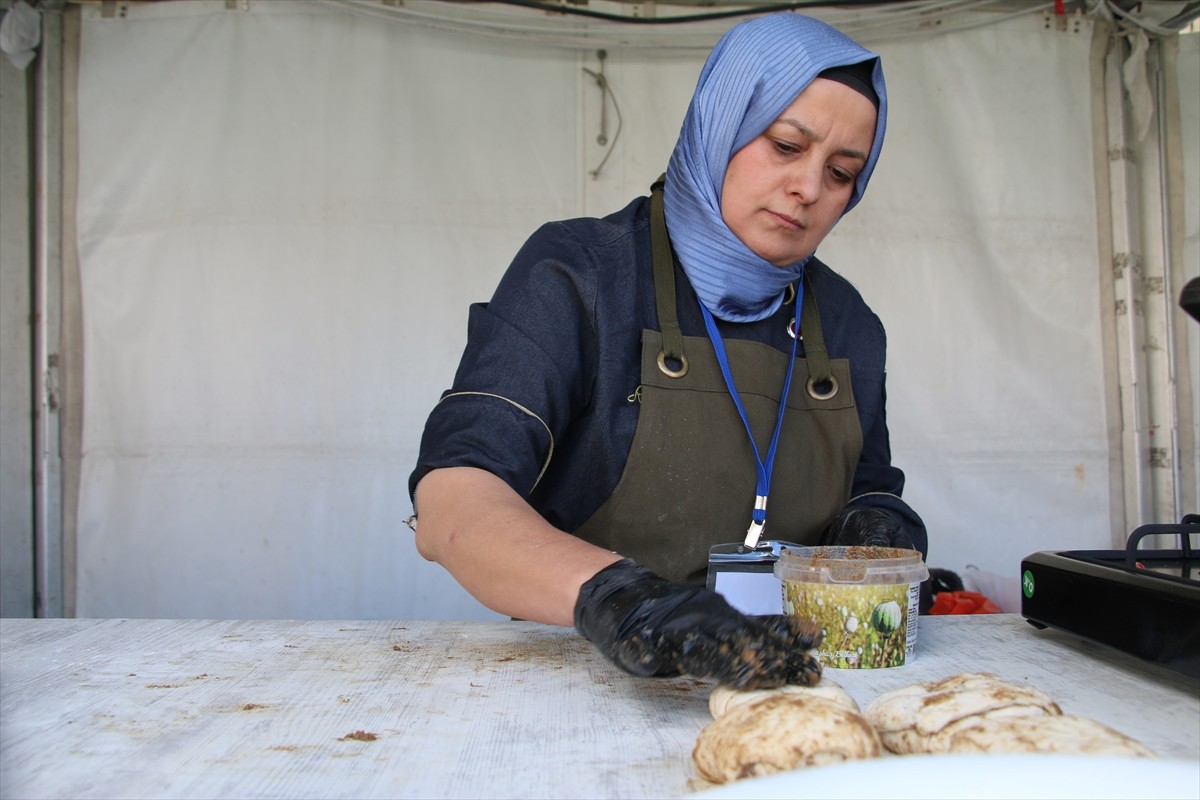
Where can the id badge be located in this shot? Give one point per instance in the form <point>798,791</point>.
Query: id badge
<point>745,577</point>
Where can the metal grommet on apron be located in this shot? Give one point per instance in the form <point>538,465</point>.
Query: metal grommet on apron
<point>666,370</point>
<point>817,394</point>
<point>689,480</point>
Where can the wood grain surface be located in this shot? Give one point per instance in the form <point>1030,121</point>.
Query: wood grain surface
<point>196,708</point>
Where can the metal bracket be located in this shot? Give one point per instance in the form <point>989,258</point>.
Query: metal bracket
<point>1064,23</point>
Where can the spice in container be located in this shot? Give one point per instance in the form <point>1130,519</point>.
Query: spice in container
<point>866,600</point>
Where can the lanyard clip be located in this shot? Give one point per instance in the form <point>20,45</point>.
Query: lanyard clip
<point>753,534</point>
<point>757,523</point>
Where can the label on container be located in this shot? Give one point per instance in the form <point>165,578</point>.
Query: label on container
<point>914,614</point>
<point>865,626</point>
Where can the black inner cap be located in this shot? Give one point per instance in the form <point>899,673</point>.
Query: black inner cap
<point>857,77</point>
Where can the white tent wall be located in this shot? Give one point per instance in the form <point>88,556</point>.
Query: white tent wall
<point>282,216</point>
<point>283,212</point>
<point>16,436</point>
<point>1187,67</point>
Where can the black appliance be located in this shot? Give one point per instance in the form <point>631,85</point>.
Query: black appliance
<point>1143,602</point>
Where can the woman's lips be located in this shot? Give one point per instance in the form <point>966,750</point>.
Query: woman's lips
<point>790,223</point>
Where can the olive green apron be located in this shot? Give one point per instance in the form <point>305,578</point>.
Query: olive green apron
<point>689,482</point>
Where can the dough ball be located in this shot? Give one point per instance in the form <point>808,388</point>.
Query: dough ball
<point>724,698</point>
<point>921,717</point>
<point>1063,734</point>
<point>781,732</point>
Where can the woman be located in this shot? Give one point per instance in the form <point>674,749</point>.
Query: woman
<point>617,410</point>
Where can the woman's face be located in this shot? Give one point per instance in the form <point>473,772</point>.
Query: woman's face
<point>787,188</point>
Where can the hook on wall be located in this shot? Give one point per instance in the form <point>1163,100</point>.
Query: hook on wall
<point>606,94</point>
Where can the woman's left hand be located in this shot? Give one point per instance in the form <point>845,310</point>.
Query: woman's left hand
<point>868,526</point>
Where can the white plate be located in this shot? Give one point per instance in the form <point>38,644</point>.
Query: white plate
<point>952,777</point>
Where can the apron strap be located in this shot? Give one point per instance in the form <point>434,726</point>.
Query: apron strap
<point>664,286</point>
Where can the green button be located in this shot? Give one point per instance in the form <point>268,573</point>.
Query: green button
<point>1027,583</point>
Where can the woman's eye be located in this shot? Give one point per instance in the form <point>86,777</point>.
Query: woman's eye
<point>786,148</point>
<point>840,176</point>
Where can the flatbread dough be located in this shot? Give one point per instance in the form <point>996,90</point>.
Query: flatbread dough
<point>783,731</point>
<point>1063,734</point>
<point>760,732</point>
<point>921,718</point>
<point>911,740</point>
<point>724,697</point>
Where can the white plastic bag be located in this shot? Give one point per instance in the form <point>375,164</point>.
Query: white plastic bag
<point>20,34</point>
<point>1003,590</point>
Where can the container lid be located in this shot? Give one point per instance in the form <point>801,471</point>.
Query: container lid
<point>865,565</point>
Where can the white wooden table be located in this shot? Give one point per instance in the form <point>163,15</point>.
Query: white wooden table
<point>168,708</point>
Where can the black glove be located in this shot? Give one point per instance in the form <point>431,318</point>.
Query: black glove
<point>865,525</point>
<point>649,626</point>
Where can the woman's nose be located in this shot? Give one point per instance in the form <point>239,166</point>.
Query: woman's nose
<point>804,182</point>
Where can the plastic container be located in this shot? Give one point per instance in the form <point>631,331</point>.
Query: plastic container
<point>866,600</point>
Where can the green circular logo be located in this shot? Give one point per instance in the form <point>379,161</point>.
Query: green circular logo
<point>1027,583</point>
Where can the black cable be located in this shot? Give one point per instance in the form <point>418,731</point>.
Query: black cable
<point>554,8</point>
<point>1190,12</point>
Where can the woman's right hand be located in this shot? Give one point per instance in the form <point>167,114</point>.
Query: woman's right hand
<point>651,627</point>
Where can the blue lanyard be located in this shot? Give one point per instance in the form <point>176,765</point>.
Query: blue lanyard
<point>758,518</point>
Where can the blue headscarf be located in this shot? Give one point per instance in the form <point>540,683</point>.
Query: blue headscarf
<point>755,72</point>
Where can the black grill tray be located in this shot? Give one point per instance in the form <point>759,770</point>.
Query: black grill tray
<point>1143,602</point>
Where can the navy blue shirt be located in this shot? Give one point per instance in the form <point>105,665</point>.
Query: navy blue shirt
<point>544,396</point>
